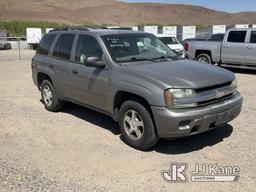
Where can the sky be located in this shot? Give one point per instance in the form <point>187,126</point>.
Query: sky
<point>220,5</point>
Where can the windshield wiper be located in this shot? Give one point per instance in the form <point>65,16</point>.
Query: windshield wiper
<point>137,59</point>
<point>133,59</point>
<point>164,57</point>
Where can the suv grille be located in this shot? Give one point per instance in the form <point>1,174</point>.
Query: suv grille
<point>214,94</point>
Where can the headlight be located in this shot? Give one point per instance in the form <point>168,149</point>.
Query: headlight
<point>180,98</point>
<point>234,83</point>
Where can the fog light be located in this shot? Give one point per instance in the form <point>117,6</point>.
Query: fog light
<point>185,125</point>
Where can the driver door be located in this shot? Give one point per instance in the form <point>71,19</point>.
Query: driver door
<point>90,85</point>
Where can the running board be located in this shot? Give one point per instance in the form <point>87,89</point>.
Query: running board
<point>239,66</point>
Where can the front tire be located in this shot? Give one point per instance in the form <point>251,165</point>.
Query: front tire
<point>49,97</point>
<point>136,126</point>
<point>204,58</point>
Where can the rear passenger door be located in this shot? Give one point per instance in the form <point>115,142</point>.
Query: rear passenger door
<point>234,48</point>
<point>251,49</point>
<point>40,62</point>
<point>60,64</point>
<point>90,85</point>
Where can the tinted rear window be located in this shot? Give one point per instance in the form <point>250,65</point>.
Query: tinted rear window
<point>236,36</point>
<point>63,46</point>
<point>45,44</point>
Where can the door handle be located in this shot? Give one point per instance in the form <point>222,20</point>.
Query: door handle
<point>226,46</point>
<point>250,47</point>
<point>51,66</point>
<point>74,72</point>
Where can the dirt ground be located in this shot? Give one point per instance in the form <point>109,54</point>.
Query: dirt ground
<point>78,149</point>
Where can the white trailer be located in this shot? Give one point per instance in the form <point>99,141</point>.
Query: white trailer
<point>188,32</point>
<point>135,28</point>
<point>218,29</point>
<point>34,35</point>
<point>254,26</point>
<point>47,30</point>
<point>170,30</point>
<point>151,29</point>
<point>241,26</point>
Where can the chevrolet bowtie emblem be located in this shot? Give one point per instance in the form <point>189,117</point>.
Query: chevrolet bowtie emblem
<point>219,94</point>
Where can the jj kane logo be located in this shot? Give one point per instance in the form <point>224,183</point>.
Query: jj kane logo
<point>201,173</point>
<point>176,173</point>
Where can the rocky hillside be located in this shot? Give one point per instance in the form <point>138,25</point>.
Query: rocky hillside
<point>117,13</point>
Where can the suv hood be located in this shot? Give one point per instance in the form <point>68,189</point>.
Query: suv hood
<point>183,73</point>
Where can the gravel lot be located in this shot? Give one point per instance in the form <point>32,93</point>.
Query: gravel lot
<point>80,150</point>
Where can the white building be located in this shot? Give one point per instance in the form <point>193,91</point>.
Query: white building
<point>170,30</point>
<point>151,29</point>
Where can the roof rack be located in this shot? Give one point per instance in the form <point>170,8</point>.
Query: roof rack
<point>78,28</point>
<point>120,28</point>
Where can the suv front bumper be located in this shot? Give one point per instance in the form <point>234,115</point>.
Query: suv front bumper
<point>171,123</point>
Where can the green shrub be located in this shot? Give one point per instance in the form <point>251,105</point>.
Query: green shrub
<point>18,28</point>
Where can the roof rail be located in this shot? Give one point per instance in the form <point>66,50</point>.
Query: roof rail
<point>70,29</point>
<point>79,28</point>
<point>120,28</point>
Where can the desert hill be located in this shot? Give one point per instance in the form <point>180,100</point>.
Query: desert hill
<point>113,12</point>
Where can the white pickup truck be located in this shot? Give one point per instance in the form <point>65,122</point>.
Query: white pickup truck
<point>238,49</point>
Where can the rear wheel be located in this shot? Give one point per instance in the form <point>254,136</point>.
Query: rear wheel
<point>137,126</point>
<point>49,97</point>
<point>204,58</point>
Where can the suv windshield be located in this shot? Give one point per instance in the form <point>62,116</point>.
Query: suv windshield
<point>136,47</point>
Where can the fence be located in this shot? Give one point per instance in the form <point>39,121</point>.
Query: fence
<point>15,44</point>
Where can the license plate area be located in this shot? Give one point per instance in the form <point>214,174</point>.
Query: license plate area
<point>224,117</point>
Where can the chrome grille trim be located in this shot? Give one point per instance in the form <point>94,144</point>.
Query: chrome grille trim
<point>213,94</point>
<point>209,96</point>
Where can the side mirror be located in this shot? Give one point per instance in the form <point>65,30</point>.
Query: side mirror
<point>91,61</point>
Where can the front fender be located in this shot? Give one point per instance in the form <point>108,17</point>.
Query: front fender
<point>153,95</point>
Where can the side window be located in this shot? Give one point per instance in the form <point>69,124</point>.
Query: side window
<point>45,44</point>
<point>63,46</point>
<point>87,46</point>
<point>236,36</point>
<point>253,37</point>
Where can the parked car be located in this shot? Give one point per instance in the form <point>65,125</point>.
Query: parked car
<point>4,45</point>
<point>236,50</point>
<point>137,80</point>
<point>173,43</point>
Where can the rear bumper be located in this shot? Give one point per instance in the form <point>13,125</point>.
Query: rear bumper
<point>186,122</point>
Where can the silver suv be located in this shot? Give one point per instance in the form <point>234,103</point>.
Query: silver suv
<point>137,80</point>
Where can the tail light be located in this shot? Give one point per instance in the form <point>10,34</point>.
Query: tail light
<point>186,46</point>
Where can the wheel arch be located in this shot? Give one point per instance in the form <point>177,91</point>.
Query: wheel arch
<point>121,96</point>
<point>41,77</point>
<point>200,51</point>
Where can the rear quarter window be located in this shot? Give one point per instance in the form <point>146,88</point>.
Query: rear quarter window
<point>45,44</point>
